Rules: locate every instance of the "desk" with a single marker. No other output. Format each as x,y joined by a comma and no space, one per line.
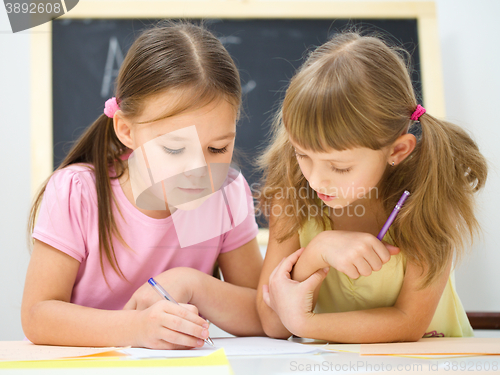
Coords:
352,363
326,363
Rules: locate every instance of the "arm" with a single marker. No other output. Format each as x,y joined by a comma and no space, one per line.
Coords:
48,317
231,304
407,320
271,322
353,253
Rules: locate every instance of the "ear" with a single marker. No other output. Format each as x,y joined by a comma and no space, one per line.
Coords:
401,148
123,128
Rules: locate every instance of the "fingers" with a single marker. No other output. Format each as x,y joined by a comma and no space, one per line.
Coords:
180,325
393,250
265,295
190,307
363,267
287,264
187,312
384,250
313,281
351,271
183,333
372,260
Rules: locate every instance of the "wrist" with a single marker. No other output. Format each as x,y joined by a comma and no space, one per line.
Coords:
133,335
197,285
301,325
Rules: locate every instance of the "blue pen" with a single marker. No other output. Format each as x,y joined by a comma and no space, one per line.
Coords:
162,292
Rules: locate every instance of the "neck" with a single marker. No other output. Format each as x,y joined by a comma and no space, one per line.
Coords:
127,190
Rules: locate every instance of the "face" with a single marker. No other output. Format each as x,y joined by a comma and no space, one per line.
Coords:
180,160
342,177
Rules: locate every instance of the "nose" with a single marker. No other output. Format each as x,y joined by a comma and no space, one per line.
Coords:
317,181
196,166
196,172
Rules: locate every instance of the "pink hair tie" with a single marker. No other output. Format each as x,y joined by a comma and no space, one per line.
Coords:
110,107
419,111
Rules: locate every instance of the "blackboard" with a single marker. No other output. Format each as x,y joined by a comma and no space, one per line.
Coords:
86,54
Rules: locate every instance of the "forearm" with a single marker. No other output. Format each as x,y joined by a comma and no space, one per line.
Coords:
55,322
271,322
387,324
230,307
310,261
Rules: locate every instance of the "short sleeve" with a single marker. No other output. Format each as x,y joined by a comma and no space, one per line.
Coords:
63,214
243,213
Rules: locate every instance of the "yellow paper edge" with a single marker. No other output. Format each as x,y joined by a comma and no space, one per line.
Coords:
217,358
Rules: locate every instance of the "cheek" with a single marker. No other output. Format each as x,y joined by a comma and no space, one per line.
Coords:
365,184
304,168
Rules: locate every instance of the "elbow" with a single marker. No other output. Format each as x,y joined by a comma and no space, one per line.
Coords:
416,334
275,331
29,325
410,337
412,334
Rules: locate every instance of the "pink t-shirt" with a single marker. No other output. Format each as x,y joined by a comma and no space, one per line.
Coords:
68,221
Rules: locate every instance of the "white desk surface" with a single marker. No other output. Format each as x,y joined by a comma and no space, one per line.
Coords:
322,363
353,363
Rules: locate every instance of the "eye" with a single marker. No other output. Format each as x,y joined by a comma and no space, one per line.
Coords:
299,156
173,152
341,171
218,150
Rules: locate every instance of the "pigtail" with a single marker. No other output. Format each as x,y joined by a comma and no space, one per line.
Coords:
105,152
442,174
99,147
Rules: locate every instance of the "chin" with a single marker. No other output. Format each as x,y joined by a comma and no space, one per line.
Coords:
192,204
337,203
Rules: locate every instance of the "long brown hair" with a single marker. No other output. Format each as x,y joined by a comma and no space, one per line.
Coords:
169,56
356,91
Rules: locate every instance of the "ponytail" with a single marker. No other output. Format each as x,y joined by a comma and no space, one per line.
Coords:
442,173
99,147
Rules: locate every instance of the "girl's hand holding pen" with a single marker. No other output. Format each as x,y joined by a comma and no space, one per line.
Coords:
180,281
166,325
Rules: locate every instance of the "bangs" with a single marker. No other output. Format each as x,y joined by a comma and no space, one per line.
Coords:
188,98
324,110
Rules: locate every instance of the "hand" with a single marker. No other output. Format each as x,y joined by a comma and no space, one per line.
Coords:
292,300
353,253
166,325
179,282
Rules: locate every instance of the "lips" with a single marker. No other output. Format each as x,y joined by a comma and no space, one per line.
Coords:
325,197
191,190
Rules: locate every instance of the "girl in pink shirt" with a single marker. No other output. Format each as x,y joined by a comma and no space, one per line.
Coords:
108,218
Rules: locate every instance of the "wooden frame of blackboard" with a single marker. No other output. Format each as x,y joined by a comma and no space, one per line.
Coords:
41,47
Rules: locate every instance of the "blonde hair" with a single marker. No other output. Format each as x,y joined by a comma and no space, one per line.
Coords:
355,91
169,56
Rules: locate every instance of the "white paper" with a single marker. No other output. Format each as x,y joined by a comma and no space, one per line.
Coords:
233,346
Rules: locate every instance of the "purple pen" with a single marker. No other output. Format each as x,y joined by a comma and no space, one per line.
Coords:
393,214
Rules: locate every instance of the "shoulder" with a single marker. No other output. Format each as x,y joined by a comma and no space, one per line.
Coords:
236,186
71,182
76,173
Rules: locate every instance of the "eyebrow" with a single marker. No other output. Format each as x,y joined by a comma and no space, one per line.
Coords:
227,136
334,160
222,137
